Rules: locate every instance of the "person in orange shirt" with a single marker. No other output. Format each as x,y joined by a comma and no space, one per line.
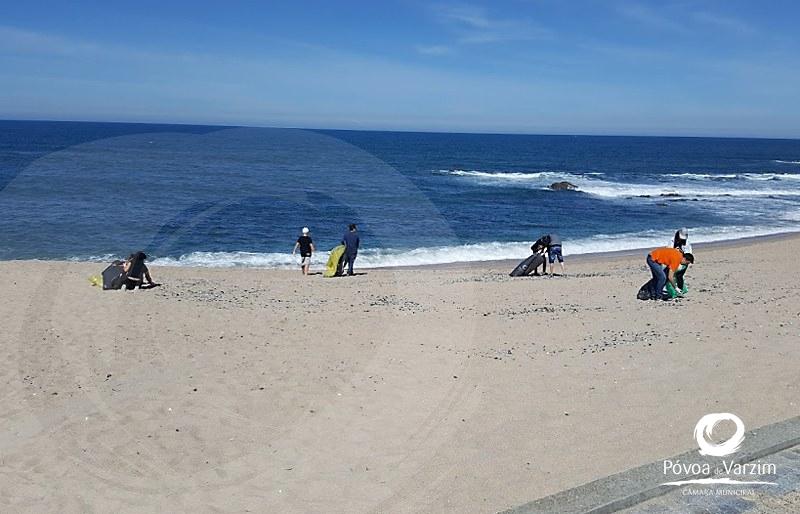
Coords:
664,262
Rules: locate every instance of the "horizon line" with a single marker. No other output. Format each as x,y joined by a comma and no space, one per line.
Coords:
404,131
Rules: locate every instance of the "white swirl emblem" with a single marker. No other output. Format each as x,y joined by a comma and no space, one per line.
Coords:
705,427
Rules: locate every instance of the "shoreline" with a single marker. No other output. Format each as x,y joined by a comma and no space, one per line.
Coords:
470,265
741,242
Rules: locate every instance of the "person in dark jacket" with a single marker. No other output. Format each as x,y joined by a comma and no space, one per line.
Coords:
351,241
539,247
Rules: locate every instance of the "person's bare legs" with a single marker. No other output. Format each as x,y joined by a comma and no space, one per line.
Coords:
552,265
553,268
556,256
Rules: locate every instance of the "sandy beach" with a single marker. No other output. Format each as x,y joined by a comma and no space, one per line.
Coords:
451,389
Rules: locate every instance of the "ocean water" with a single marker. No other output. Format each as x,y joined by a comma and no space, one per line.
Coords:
228,196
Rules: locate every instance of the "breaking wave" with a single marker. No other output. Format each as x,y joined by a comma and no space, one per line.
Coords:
489,251
736,176
678,184
792,216
518,175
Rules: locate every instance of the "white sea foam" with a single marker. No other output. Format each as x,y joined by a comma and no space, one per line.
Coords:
786,162
735,176
622,190
519,176
96,258
702,176
591,184
231,260
390,257
792,216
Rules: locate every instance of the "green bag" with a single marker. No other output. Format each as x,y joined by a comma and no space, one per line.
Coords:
671,290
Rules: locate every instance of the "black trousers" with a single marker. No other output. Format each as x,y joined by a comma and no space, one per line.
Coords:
679,276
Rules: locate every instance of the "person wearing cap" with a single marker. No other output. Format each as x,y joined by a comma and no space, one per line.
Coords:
663,263
306,246
681,242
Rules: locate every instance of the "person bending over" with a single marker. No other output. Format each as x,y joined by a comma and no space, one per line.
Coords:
663,263
551,242
539,247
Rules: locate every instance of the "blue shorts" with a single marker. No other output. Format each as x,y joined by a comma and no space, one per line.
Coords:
553,253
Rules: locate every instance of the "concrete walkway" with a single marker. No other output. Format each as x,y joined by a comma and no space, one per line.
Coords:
642,489
781,498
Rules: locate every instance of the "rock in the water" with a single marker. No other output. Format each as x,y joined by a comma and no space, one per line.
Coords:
563,186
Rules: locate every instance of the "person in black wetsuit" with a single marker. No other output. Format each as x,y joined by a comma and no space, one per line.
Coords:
539,247
351,241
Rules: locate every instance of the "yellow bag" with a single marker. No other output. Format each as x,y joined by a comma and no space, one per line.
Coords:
335,262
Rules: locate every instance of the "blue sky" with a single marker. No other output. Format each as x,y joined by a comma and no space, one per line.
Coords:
699,67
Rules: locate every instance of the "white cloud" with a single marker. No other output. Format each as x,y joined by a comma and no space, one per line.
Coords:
473,25
638,54
470,16
725,22
435,50
31,43
648,17
22,41
657,19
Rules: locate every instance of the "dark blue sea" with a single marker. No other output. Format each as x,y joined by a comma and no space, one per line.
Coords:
228,196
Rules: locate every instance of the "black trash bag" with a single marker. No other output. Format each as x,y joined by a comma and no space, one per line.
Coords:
113,276
527,266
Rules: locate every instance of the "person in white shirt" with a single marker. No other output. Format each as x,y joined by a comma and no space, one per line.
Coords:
681,242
